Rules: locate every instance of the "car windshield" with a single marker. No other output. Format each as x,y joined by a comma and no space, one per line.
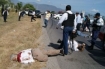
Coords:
37,11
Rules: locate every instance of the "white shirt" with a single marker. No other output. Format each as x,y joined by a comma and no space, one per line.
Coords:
65,17
26,56
5,11
48,15
100,22
78,19
75,46
82,20
19,12
33,13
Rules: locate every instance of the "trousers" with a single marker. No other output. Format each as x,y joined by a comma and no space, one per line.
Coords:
67,31
42,54
95,34
46,22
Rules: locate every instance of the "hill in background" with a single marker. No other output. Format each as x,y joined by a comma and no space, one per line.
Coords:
41,7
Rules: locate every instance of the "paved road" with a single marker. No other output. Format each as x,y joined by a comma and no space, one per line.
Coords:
77,60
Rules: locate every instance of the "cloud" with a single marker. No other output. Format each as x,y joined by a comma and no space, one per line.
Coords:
38,0
49,1
94,10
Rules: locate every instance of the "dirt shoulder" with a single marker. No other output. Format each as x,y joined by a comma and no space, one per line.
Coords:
16,36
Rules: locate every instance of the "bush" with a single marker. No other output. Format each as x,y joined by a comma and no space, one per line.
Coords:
29,6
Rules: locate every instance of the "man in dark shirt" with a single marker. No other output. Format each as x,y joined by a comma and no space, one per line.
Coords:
5,13
69,22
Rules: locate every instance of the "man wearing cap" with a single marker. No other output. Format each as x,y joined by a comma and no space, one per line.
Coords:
97,24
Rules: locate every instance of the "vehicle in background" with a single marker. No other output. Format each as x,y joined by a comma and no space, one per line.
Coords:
57,16
29,13
38,13
91,21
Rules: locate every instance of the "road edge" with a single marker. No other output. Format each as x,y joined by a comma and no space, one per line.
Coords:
52,62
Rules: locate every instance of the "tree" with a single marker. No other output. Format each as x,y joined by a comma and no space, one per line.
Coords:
19,5
2,2
29,6
53,12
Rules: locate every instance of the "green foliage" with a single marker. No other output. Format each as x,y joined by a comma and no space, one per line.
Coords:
2,2
19,5
29,6
53,12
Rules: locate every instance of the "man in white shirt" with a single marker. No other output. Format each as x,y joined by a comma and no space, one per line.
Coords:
78,21
32,17
20,15
30,55
47,17
68,20
73,44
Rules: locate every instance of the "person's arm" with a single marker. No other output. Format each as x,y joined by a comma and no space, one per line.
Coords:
3,12
100,22
64,16
75,24
7,13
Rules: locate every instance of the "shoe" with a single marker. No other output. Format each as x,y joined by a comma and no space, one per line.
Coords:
62,52
59,41
90,47
85,36
88,36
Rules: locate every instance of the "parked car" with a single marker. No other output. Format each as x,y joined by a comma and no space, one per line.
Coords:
57,16
29,13
38,13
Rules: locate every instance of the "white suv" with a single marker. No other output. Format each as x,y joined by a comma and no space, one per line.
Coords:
57,16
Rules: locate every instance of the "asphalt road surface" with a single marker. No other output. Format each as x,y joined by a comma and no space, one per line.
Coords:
94,59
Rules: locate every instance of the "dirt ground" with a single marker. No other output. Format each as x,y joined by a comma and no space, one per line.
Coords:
16,36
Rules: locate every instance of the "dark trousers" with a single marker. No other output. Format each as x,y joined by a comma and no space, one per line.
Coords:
95,34
19,18
86,25
66,32
78,26
33,18
5,18
46,22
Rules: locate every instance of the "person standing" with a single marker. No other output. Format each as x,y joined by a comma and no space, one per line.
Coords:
78,21
32,17
47,17
97,24
86,23
5,14
20,15
68,20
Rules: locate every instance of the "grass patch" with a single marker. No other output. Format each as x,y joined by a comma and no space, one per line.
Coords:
16,36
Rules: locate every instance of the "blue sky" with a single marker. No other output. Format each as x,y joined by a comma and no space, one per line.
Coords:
91,6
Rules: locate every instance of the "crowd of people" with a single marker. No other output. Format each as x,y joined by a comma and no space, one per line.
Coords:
5,13
75,23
